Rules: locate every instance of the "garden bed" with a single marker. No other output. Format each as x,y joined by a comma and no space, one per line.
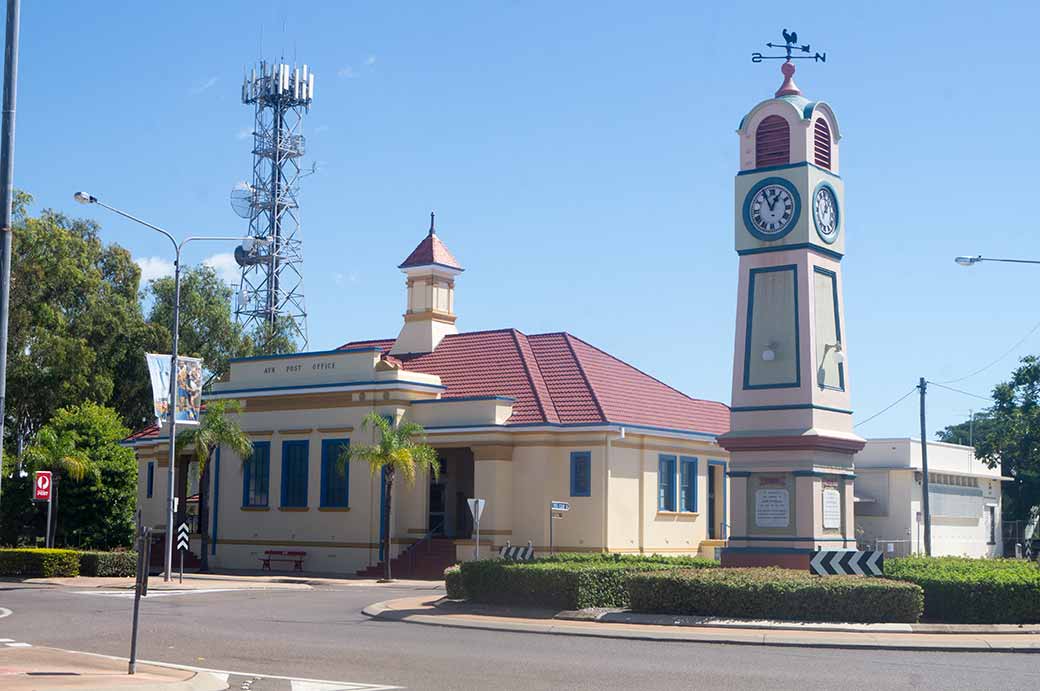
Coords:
960,590
772,593
561,581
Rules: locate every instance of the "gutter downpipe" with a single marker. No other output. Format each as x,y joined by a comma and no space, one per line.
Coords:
606,484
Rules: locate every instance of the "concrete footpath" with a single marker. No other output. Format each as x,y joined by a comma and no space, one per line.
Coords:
435,611
43,669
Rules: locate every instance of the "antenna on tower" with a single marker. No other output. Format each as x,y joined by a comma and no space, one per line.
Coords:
270,298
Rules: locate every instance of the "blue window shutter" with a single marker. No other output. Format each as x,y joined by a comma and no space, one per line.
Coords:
335,478
294,473
256,475
688,484
581,473
666,485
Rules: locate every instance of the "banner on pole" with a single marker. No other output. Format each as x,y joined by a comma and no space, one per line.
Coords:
189,388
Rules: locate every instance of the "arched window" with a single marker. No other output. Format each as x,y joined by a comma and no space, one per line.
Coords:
772,142
822,141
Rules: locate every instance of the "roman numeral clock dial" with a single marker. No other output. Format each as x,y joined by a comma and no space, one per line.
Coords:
771,209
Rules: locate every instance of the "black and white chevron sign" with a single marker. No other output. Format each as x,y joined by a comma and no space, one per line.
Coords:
516,553
182,536
847,563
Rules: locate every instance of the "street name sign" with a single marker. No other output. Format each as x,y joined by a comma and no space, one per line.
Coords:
559,506
42,486
847,563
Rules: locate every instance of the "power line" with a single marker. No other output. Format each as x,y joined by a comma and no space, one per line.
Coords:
951,388
888,407
1002,356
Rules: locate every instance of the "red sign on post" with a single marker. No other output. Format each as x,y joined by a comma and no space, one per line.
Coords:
42,486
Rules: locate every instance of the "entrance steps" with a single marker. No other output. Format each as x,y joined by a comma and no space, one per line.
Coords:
423,561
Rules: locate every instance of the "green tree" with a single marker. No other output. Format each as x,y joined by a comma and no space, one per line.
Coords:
99,510
396,453
56,451
1008,435
274,338
207,329
216,429
77,332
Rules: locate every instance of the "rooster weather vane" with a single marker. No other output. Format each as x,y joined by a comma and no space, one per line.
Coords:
790,45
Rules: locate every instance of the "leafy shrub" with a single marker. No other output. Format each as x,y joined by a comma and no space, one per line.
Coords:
453,583
606,558
771,593
108,563
557,583
39,563
973,591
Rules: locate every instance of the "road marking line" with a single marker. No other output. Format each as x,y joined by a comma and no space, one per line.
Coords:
157,593
4,612
345,685
18,645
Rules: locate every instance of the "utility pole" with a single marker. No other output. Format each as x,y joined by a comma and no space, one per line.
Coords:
7,197
923,386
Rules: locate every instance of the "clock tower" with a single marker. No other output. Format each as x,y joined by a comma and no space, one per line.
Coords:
791,439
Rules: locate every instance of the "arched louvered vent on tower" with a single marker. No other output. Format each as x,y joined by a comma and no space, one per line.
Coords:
822,142
772,142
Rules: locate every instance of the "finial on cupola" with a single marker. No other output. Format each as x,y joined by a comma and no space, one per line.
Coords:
433,231
790,44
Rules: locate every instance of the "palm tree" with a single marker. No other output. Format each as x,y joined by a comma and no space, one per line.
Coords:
215,429
396,452
56,451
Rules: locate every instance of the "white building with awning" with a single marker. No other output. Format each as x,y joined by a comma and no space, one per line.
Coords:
964,498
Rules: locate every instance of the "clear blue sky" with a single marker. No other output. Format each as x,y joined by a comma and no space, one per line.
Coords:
580,157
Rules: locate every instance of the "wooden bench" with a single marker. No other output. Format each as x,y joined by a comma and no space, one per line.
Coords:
278,555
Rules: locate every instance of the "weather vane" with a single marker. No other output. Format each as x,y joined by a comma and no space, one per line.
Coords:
790,45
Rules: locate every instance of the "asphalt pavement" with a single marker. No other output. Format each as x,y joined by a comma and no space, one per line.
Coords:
270,637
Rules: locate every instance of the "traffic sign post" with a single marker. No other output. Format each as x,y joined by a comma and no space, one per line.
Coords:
43,486
476,507
141,586
556,511
182,544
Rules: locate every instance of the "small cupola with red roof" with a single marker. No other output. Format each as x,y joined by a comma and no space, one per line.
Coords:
431,270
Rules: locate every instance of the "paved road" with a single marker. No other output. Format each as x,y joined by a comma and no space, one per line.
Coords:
321,634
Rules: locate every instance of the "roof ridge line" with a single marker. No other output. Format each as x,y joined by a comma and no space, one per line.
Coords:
650,376
581,368
530,380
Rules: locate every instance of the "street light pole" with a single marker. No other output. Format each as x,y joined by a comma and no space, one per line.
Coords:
6,197
171,411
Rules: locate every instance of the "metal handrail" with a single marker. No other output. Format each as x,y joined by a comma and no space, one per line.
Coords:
427,538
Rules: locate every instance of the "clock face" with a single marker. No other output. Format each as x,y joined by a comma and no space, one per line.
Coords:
772,210
825,213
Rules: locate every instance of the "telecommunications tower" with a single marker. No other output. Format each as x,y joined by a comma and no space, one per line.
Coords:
270,294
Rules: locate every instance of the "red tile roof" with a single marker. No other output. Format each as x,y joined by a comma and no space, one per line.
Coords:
431,251
149,432
558,378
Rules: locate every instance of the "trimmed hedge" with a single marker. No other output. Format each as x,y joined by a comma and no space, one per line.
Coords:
557,583
962,590
108,563
607,558
770,593
39,563
453,583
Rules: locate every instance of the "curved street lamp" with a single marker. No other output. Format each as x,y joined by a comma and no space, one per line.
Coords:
248,244
972,261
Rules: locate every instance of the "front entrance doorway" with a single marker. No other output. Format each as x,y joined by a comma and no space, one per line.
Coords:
448,513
